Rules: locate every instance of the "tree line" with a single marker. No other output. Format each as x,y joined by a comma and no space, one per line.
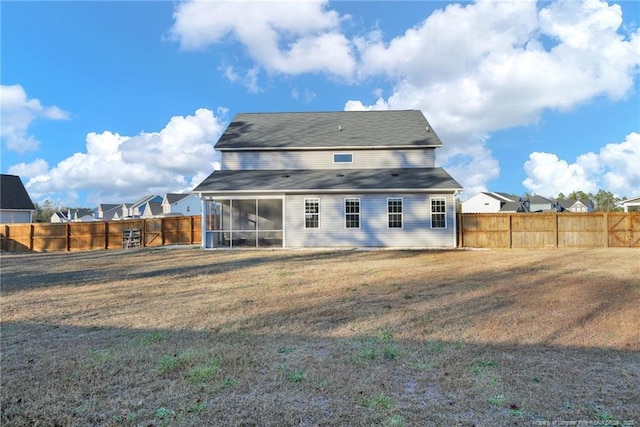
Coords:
46,209
604,201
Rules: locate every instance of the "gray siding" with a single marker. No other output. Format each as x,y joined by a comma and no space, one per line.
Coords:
373,231
321,159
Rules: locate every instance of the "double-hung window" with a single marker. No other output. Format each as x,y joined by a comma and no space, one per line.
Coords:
394,212
311,213
438,212
352,213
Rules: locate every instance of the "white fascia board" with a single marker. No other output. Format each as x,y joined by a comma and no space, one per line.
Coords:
334,148
206,194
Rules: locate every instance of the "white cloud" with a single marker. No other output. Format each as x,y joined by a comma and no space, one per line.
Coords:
495,65
614,168
472,68
483,67
284,37
17,112
117,168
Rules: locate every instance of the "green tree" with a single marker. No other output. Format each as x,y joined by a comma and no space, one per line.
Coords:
46,210
580,195
606,202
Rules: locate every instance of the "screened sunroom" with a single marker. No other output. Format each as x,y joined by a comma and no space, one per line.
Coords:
243,223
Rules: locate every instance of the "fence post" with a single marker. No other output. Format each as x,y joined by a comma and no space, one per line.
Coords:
5,244
143,233
605,221
162,230
31,237
68,236
105,230
510,231
555,228
191,225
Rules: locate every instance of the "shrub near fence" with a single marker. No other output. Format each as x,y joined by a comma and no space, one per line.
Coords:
87,236
528,230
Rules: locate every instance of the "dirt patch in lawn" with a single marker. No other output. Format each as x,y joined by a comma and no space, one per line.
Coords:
192,337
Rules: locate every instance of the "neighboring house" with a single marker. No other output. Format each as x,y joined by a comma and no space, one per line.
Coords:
122,211
572,205
329,179
136,208
517,206
486,202
541,204
107,211
151,210
59,217
15,204
185,204
631,204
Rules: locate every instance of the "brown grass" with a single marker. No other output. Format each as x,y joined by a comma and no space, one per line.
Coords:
191,337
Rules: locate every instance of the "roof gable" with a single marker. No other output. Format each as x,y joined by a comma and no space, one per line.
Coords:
171,198
13,195
327,130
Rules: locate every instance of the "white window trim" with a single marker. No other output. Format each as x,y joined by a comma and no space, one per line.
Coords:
438,213
342,154
304,208
395,213
344,206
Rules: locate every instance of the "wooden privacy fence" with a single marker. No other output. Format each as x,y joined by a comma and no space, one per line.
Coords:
529,230
522,230
87,236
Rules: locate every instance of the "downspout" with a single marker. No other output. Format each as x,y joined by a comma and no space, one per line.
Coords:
455,218
203,221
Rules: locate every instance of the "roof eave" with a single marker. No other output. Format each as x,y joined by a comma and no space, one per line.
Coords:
202,193
331,148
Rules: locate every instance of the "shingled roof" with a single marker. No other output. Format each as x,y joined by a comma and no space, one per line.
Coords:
322,181
326,130
13,195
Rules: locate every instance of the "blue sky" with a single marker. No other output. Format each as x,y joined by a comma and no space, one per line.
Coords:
105,102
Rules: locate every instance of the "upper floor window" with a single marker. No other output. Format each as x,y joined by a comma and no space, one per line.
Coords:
342,158
394,212
352,213
438,212
311,213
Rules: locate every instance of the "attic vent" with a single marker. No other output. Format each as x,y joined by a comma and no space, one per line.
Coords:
339,175
285,175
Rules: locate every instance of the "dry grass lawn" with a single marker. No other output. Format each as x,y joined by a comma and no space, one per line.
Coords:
182,337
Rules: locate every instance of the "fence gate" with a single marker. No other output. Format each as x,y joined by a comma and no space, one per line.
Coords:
624,230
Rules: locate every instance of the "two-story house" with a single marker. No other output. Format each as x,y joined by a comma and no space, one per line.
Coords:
329,179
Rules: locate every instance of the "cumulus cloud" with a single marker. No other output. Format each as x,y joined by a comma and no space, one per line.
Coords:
488,66
17,113
614,168
284,37
472,68
118,168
